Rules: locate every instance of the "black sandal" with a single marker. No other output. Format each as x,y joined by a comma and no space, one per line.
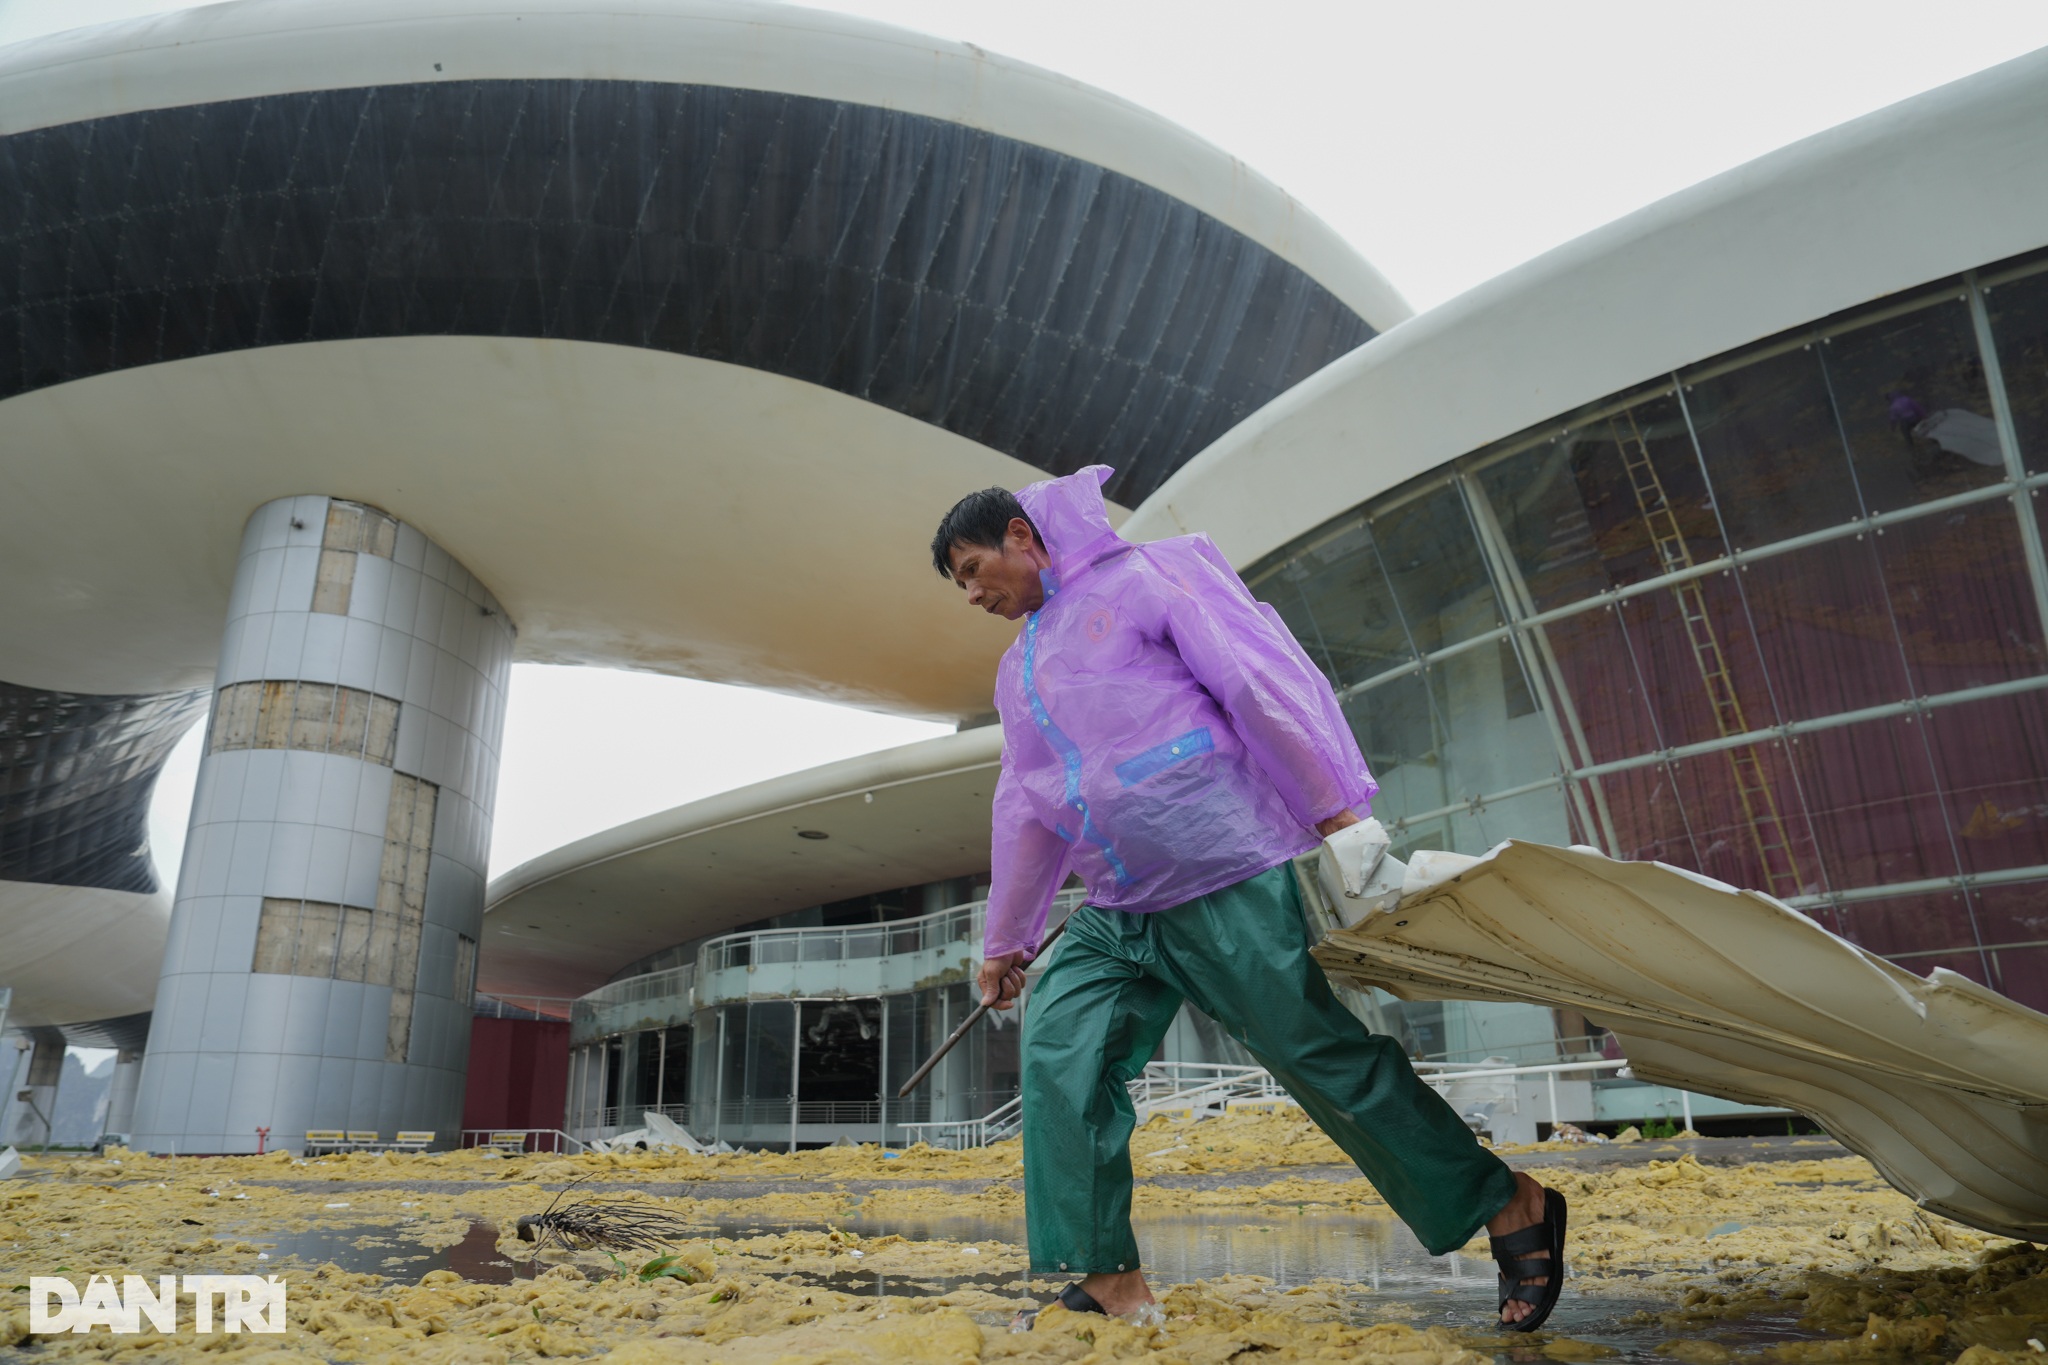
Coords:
1518,1266
1073,1298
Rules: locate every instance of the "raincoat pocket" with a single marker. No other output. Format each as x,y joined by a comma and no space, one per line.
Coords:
1160,757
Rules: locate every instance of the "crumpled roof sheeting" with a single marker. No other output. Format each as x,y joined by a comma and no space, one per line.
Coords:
1940,1082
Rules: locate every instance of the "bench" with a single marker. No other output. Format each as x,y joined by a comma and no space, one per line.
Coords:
359,1141
511,1144
320,1141
409,1141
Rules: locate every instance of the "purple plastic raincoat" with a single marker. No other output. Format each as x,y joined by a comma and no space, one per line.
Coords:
1163,734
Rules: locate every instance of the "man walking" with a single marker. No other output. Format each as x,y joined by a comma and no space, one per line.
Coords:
1166,739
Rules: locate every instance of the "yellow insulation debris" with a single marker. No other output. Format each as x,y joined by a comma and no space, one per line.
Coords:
1693,1250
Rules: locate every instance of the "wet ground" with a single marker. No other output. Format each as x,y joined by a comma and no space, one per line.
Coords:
1395,1280
1709,1251
1590,1156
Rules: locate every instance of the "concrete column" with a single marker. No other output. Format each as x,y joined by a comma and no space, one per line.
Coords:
37,1106
322,948
121,1092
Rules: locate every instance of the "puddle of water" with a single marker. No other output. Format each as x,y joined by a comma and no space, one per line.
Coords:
389,1249
1289,1251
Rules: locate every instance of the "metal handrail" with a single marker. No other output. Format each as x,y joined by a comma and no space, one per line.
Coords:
675,981
1161,1087
1166,1078
1467,1071
548,1007
531,1139
770,947
854,942
1259,1084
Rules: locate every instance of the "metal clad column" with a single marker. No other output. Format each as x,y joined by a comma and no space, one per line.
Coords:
323,939
37,1107
121,1092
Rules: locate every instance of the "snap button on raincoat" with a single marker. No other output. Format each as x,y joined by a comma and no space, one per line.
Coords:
1164,736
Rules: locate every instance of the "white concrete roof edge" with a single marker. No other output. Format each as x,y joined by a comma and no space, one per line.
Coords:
1911,193
907,763
247,48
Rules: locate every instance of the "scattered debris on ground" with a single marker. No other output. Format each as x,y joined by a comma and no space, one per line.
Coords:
1690,1253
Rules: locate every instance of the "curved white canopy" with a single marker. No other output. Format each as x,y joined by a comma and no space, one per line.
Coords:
77,954
631,508
563,923
1923,189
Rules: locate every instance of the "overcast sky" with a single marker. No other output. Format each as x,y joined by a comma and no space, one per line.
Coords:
1447,141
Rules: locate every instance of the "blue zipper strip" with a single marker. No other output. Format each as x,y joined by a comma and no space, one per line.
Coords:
1068,751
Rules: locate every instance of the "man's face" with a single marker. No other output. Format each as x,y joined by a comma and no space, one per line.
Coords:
1002,581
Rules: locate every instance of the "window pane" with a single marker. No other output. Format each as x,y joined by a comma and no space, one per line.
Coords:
2019,327
1767,432
1434,833
675,1080
1910,391
1876,809
1644,497
770,1041
1494,739
840,1050
1962,597
1992,758
1911,924
1535,498
1399,733
1542,816
1597,664
1336,601
2016,913
1649,819
1698,660
1432,558
1823,629
1746,819
2021,973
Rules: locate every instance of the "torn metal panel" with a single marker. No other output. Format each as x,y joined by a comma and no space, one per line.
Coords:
1940,1082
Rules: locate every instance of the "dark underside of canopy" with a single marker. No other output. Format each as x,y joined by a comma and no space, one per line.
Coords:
1038,304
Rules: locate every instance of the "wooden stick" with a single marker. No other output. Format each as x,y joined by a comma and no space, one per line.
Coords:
973,1018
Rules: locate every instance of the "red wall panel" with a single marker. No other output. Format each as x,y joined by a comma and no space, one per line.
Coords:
518,1074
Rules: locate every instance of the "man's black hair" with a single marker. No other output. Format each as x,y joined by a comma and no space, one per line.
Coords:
981,518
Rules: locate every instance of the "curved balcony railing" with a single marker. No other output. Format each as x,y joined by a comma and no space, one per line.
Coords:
656,1000
927,948
926,933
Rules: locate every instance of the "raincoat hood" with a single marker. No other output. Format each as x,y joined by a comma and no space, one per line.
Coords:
1073,520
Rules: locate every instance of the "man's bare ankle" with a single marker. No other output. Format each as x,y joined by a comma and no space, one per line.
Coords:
1524,1209
1118,1292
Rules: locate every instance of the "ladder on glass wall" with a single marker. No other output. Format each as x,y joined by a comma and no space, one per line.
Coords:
1752,782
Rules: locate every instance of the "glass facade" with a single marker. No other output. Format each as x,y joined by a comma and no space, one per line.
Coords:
1777,618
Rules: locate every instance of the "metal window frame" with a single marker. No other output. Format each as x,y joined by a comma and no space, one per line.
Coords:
1524,627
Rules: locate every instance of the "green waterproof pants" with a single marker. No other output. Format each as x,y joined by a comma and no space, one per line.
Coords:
1240,955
